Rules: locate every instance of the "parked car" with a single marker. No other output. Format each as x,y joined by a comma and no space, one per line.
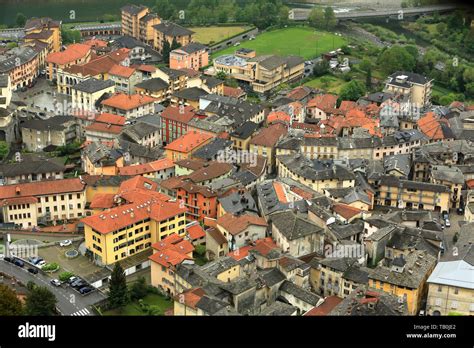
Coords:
78,284
85,290
55,282
447,223
35,260
41,263
237,44
65,243
460,211
8,259
33,270
18,262
72,280
445,215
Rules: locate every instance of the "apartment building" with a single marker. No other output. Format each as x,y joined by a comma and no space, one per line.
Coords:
184,146
131,16
192,56
57,131
5,91
129,229
395,192
45,30
47,201
21,64
87,93
125,78
73,54
169,31
130,106
262,73
451,177
414,86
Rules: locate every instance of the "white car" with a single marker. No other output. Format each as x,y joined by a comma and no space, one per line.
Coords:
41,263
55,282
65,243
237,44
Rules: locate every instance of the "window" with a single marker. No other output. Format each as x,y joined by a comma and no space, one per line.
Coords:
456,291
454,304
440,288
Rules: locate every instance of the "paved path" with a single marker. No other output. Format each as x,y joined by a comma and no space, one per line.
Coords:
69,302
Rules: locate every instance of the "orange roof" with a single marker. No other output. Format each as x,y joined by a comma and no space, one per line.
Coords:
18,200
270,135
171,251
237,224
179,114
41,188
120,70
189,141
325,102
128,102
262,246
240,253
111,118
347,105
145,168
128,214
280,192
233,92
144,67
431,126
191,297
276,116
326,307
195,232
100,64
138,182
346,211
102,201
104,128
95,43
69,55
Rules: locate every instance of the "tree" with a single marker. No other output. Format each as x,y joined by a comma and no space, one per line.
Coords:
139,289
165,9
329,18
41,301
352,90
70,36
321,68
396,58
368,79
9,302
316,18
166,51
118,295
365,65
221,75
4,149
175,44
441,28
20,20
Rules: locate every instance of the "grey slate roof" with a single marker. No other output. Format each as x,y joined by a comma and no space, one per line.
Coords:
293,226
54,123
172,29
153,84
93,85
212,149
300,293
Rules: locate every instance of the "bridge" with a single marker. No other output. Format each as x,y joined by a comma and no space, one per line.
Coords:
300,14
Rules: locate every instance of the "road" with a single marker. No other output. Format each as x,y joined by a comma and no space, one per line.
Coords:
69,302
300,14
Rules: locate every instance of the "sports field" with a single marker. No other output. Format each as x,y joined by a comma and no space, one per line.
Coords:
209,35
301,41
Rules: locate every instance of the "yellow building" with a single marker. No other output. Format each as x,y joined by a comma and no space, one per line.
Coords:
315,174
406,278
263,73
452,177
131,16
45,30
85,94
43,201
126,230
263,143
416,87
169,31
394,192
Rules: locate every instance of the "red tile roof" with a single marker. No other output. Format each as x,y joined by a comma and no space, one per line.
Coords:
103,201
430,125
190,297
69,55
95,43
189,141
179,114
278,116
104,128
128,102
41,188
233,92
128,214
195,232
270,135
346,211
110,118
325,102
236,224
326,307
146,168
122,71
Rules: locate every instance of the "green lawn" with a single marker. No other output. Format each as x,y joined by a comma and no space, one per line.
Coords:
133,308
300,41
209,35
333,84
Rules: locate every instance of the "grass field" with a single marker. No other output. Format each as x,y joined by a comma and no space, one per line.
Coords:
300,41
328,83
134,309
206,35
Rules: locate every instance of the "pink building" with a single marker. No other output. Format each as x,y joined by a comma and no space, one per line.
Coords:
192,56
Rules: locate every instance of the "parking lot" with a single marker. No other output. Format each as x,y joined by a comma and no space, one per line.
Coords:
79,266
